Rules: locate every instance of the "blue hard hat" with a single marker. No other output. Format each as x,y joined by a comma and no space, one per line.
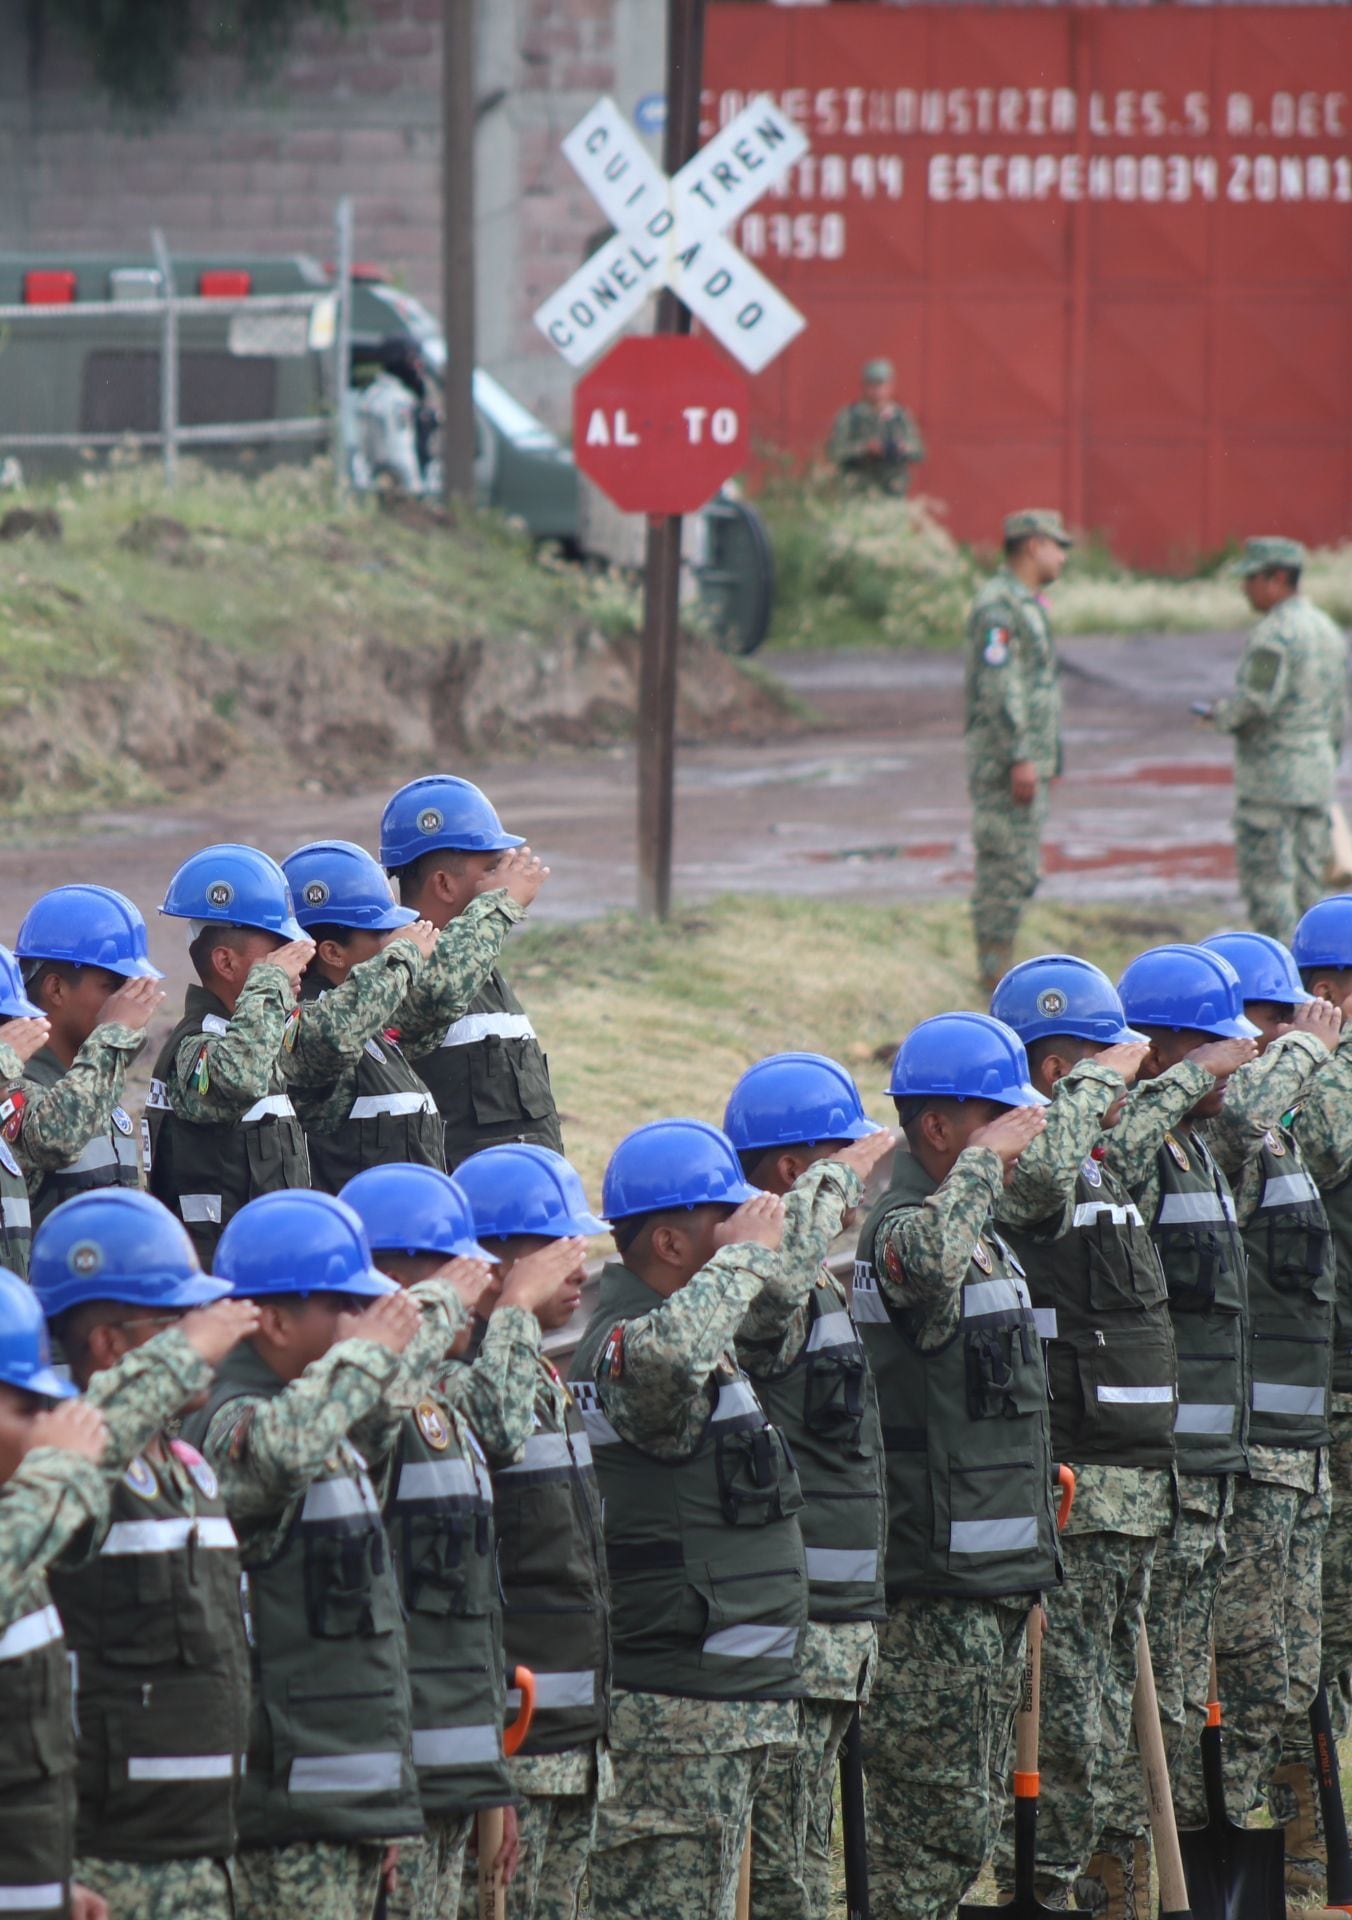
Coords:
792,1099
412,1209
521,1188
233,886
1323,937
673,1163
14,1002
298,1241
335,883
117,1244
1186,989
1265,967
440,811
1060,994
964,1056
25,1355
87,927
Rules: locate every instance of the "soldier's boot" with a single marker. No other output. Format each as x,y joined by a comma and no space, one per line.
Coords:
993,961
1116,1883
1294,1801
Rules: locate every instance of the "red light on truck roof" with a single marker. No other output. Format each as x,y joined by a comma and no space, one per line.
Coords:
224,283
49,287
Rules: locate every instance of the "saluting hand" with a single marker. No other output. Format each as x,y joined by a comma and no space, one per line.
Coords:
541,1274
1322,1019
1221,1058
471,1278
293,957
132,1005
26,1037
423,935
391,1321
216,1331
863,1155
758,1223
520,873
75,1426
1011,1133
1126,1058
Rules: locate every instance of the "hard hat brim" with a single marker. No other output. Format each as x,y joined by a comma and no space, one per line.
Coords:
18,1006
136,970
48,1382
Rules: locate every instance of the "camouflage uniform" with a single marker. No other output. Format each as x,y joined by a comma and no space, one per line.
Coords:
318,1879
432,1872
1013,713
66,1107
16,1216
861,423
1287,716
168,1890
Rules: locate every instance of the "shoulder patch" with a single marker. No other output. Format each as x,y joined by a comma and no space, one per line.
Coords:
7,1160
140,1477
213,1023
239,1434
11,1114
892,1261
996,650
1264,666
612,1354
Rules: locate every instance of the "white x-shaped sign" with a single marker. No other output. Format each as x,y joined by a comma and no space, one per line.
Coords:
670,231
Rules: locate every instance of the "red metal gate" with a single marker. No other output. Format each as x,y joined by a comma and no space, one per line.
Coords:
1110,253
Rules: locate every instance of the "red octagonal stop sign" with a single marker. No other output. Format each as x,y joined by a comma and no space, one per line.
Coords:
661,423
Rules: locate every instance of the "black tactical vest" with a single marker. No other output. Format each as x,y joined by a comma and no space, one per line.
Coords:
708,1583
551,1565
161,1673
826,1407
37,1764
205,1174
969,1462
1338,1208
490,1079
16,1218
1202,1255
1292,1284
1102,1311
439,1514
330,1754
107,1160
392,1116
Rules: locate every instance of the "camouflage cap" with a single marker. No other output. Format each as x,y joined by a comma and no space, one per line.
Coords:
876,371
1032,520
1268,550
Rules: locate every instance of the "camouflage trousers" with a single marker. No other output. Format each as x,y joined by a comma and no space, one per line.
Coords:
791,1821
160,1889
1281,856
1007,841
937,1749
431,1871
319,1879
669,1843
1088,1679
558,1831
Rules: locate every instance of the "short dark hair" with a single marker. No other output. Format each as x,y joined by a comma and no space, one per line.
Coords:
218,933
331,931
1015,546
36,971
412,877
1068,1045
1308,975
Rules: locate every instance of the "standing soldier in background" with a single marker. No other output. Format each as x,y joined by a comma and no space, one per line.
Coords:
1013,729
24,1028
1287,716
875,442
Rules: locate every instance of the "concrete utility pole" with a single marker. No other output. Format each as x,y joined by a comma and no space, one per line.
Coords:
457,244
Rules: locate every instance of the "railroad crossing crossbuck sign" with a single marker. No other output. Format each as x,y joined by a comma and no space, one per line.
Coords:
670,232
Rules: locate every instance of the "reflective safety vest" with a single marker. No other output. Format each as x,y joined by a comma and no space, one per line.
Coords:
16,1219
439,1513
37,1763
1202,1255
206,1173
826,1407
330,1754
392,1116
108,1159
1338,1208
969,1462
1292,1284
489,1077
708,1582
1102,1311
157,1649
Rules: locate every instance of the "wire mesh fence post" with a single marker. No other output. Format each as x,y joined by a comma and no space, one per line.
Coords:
168,359
342,343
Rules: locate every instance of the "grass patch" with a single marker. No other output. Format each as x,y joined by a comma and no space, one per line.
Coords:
866,570
643,1021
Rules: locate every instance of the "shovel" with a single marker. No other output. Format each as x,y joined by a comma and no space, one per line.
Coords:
492,1887
853,1823
1331,1803
1233,1873
1159,1801
1025,1905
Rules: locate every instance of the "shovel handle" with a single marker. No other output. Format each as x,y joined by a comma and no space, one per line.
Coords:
492,1888
1065,1479
1330,1790
523,1681
1030,1704
1159,1800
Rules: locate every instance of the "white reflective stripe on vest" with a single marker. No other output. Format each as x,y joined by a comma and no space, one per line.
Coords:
102,1153
837,1564
167,1536
184,1766
556,1690
30,1632
600,1433
1195,1208
200,1207
1270,1396
1135,1396
346,1773
994,1296
337,1499
831,1330
40,1896
276,1106
371,1105
440,1480
1089,1211
866,1301
1204,1416
1289,1190
472,1027
550,1453
993,1536
455,1746
751,1641
1046,1322
15,1211
736,1398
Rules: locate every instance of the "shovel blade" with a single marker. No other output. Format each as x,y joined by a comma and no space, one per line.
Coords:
1234,1873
